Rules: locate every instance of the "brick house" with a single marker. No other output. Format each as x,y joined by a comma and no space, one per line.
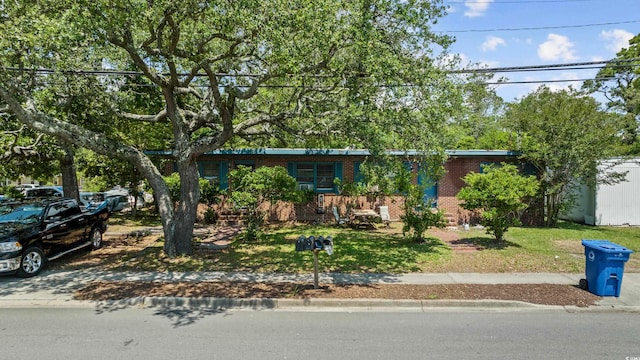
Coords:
316,169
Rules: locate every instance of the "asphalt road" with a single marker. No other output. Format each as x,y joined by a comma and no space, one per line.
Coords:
182,333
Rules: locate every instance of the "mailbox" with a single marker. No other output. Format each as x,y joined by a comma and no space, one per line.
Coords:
308,243
300,243
328,245
313,243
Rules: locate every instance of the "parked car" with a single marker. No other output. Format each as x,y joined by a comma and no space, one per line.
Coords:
34,232
43,192
91,199
117,203
23,187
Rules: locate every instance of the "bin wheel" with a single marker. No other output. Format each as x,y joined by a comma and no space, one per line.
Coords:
583,284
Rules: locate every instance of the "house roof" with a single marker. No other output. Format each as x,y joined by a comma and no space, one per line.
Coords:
337,152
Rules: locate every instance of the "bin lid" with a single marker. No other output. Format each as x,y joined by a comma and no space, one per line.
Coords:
605,246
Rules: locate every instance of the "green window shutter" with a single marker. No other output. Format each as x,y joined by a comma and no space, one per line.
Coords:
224,175
338,174
291,168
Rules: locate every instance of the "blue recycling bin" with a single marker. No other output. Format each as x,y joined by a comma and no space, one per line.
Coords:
604,267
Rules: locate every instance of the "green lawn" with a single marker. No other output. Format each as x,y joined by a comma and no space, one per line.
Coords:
387,251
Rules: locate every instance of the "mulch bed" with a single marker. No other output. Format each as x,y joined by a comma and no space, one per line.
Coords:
544,294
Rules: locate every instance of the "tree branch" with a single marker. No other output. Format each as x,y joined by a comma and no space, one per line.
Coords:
162,115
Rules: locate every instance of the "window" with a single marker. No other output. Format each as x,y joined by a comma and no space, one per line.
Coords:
63,209
325,176
214,171
304,173
318,176
210,170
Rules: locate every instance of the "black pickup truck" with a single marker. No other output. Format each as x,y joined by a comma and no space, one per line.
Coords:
34,232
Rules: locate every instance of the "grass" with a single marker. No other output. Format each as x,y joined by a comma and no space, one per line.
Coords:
538,250
354,252
388,251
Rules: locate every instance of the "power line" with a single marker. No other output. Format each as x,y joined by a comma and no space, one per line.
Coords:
550,67
540,28
521,82
565,66
622,63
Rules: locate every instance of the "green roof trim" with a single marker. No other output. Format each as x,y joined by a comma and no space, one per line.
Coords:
337,152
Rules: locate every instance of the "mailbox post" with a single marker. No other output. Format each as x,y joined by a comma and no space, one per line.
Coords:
315,245
315,268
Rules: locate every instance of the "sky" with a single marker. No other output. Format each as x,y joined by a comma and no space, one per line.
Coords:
508,33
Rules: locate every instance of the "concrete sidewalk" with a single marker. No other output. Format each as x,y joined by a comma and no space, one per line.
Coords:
56,288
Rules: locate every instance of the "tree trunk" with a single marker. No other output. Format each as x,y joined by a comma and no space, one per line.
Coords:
69,176
179,233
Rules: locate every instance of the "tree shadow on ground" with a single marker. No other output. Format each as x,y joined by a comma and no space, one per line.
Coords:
484,243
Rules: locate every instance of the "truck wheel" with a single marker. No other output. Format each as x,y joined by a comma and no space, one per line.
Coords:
96,238
32,262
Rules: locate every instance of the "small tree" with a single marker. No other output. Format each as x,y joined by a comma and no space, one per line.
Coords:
419,216
250,188
501,193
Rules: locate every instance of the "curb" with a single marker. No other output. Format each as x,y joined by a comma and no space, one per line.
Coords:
317,304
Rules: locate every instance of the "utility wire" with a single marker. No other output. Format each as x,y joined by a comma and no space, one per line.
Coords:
567,66
540,28
622,63
589,64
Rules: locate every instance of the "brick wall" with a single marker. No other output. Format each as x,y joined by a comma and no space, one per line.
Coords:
448,187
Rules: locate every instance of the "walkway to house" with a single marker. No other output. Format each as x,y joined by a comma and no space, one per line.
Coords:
454,240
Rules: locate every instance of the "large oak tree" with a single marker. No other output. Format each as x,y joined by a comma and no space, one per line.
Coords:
323,72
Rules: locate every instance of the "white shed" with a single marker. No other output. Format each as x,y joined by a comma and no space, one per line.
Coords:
613,205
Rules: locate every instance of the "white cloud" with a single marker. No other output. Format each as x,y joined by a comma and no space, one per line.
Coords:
616,39
475,8
492,42
557,47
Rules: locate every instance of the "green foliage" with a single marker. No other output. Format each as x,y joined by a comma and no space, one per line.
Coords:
477,123
564,135
210,216
250,188
419,217
350,188
11,192
173,184
619,80
209,192
501,194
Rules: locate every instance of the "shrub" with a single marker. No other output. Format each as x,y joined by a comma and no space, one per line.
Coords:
501,194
